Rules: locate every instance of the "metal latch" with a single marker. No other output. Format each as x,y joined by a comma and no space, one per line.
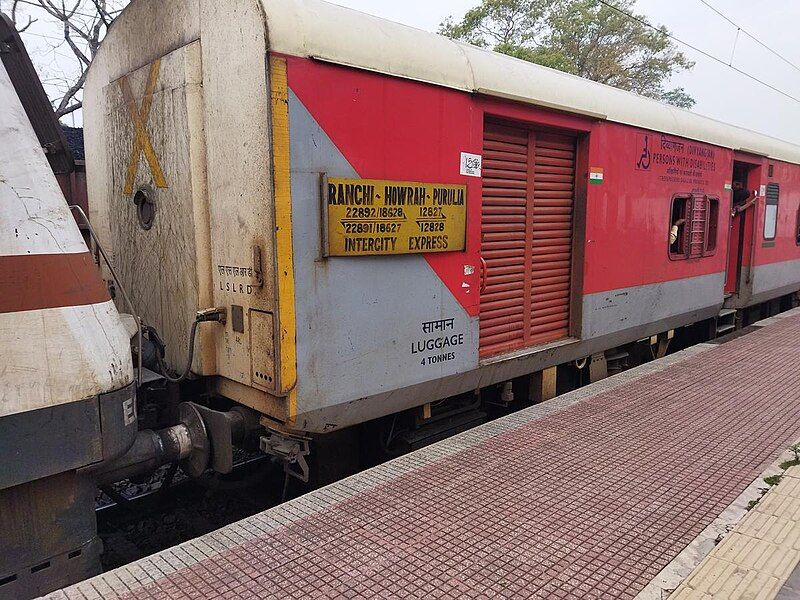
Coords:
292,450
258,273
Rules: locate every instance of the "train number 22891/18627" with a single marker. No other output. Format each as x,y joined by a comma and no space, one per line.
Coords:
370,227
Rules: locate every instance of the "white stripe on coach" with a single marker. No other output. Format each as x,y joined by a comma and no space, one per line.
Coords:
58,355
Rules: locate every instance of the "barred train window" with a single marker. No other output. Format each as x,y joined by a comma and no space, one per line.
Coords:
693,226
711,231
771,211
677,237
797,230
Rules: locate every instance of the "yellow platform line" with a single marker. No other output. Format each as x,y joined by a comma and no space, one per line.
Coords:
756,559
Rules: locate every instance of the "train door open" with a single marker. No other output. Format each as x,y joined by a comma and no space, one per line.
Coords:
740,241
526,237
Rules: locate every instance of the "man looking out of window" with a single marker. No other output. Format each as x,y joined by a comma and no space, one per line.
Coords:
674,232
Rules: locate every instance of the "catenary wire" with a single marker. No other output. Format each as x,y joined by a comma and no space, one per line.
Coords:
696,49
752,37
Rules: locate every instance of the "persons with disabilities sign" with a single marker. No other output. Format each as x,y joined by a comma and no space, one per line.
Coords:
371,216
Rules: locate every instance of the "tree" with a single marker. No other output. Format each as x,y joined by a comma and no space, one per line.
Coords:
83,23
15,17
583,37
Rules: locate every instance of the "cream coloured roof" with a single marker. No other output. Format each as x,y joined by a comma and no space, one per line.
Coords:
313,28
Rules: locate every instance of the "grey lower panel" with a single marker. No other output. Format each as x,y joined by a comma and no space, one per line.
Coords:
363,333
43,442
608,312
46,441
773,280
490,372
118,421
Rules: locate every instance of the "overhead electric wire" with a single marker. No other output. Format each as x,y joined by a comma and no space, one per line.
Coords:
41,35
696,49
752,37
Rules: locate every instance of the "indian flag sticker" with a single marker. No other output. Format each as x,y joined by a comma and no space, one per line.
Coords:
728,186
596,175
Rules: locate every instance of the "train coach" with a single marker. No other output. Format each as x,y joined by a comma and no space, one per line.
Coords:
67,393
393,227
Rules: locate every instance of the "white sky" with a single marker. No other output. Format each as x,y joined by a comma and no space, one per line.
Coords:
720,92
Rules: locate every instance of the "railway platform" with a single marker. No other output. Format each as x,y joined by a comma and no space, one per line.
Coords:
617,490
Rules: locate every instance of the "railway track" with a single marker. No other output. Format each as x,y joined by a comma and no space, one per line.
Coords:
142,518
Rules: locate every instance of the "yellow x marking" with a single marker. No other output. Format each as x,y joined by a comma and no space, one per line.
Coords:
141,143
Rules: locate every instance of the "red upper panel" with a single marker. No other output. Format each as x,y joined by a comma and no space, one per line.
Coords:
784,246
390,128
401,130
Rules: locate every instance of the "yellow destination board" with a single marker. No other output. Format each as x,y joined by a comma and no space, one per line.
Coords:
370,216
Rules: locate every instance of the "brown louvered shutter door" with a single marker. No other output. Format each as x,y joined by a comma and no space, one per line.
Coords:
506,172
554,190
526,237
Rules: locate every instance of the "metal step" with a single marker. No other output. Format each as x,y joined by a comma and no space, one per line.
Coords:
616,354
722,329
444,428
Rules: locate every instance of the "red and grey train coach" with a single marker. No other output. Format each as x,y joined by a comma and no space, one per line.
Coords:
388,219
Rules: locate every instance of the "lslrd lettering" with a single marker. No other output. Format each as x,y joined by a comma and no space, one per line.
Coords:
235,288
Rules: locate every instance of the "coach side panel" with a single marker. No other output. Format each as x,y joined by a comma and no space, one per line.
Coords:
776,256
376,334
634,276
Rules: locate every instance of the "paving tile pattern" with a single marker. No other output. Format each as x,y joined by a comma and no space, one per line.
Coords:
756,560
590,499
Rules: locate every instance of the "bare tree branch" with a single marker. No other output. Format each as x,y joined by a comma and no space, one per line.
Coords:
61,110
84,23
105,18
69,109
77,51
30,22
65,17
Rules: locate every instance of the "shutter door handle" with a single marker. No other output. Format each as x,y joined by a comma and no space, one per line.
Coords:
484,274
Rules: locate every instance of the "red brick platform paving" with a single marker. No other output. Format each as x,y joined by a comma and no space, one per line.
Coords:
591,501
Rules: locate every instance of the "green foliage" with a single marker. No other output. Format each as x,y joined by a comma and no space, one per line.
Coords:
787,464
507,23
678,97
582,37
773,480
796,449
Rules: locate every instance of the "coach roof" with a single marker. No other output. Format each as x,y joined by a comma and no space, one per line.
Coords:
328,32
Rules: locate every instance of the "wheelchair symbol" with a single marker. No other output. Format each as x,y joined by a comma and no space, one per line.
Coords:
644,160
